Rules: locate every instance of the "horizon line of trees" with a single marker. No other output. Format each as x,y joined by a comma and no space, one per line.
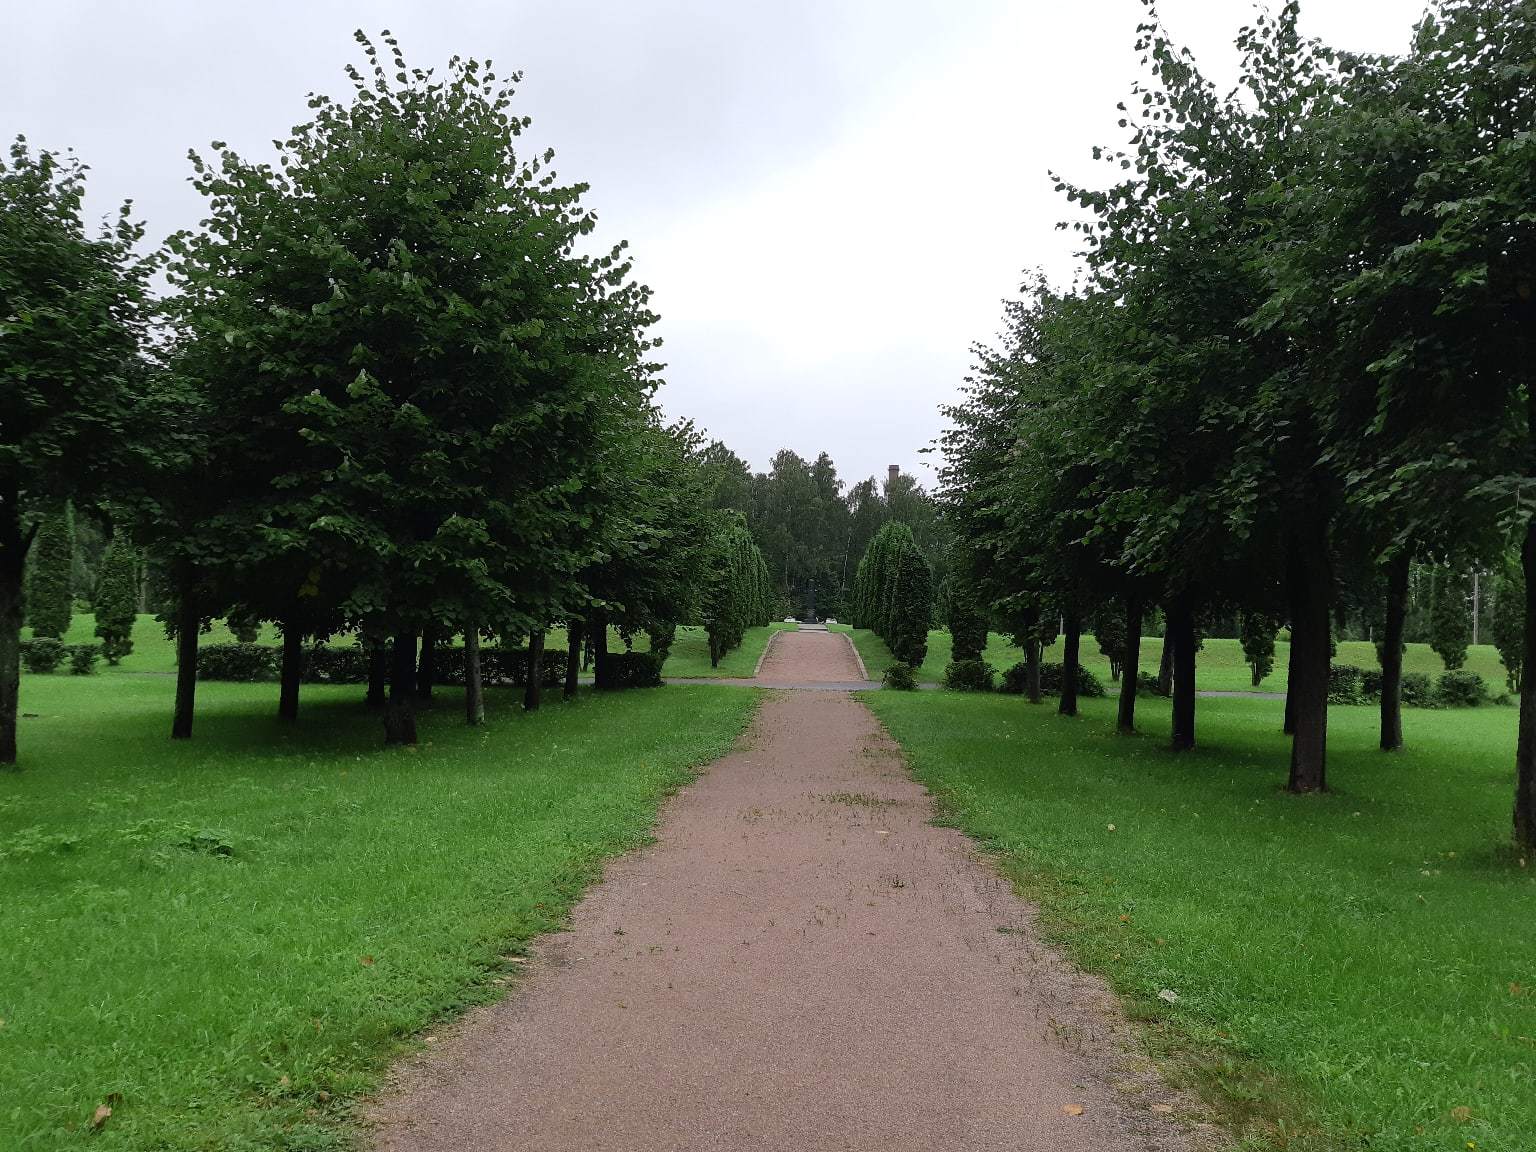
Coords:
1302,361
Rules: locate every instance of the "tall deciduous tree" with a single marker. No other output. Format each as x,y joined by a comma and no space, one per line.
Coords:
72,385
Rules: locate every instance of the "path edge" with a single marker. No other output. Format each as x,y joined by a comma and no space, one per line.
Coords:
857,659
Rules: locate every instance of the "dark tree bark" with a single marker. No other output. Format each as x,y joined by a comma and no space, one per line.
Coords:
1181,639
1288,725
1310,581
426,670
1165,662
378,674
1072,638
602,668
1392,654
1525,751
189,621
573,639
14,543
1032,670
1126,719
474,686
292,673
533,691
400,712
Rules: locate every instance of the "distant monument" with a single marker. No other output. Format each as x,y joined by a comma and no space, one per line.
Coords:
808,605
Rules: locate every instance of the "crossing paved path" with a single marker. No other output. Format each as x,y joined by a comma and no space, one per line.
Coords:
801,962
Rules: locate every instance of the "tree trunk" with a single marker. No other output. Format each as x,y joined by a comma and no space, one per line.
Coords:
573,638
1311,592
1032,670
1072,638
1126,720
400,712
292,673
1392,654
602,668
533,691
426,670
13,557
1288,725
378,673
1180,639
474,687
1525,752
189,620
1165,662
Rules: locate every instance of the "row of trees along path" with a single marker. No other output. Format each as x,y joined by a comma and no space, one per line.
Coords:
1303,357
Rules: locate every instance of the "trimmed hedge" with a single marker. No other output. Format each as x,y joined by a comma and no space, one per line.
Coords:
900,677
1088,685
348,664
631,670
42,654
1459,688
969,676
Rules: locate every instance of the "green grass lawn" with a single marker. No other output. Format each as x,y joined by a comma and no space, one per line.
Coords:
1352,969
1218,667
241,1002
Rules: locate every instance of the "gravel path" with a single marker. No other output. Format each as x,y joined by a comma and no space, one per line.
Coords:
801,962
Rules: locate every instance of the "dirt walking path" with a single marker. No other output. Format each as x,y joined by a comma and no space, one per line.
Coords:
801,962
809,657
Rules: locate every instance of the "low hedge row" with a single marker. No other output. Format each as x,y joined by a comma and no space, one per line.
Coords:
44,654
1348,684
1015,680
348,664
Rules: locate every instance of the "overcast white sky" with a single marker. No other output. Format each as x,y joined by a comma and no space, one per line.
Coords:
829,197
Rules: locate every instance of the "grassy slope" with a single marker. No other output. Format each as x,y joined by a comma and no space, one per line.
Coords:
1364,961
1219,667
239,1002
689,657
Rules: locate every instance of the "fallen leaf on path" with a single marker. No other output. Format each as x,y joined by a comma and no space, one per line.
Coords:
100,1116
1072,1109
1163,1109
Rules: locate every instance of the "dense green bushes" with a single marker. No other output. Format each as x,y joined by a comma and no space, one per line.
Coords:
1456,688
49,599
44,654
737,596
348,664
1015,680
893,593
116,601
969,676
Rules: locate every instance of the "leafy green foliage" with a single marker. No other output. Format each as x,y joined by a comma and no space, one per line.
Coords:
50,600
1450,622
900,677
736,597
117,599
969,676
1509,623
893,593
43,654
1458,688
1258,636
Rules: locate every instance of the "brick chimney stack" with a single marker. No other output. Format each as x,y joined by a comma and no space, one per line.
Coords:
895,471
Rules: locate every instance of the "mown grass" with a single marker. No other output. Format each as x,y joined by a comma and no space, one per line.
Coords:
1219,667
1356,969
243,1001
689,658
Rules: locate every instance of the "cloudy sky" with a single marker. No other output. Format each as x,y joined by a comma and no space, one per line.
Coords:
829,197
